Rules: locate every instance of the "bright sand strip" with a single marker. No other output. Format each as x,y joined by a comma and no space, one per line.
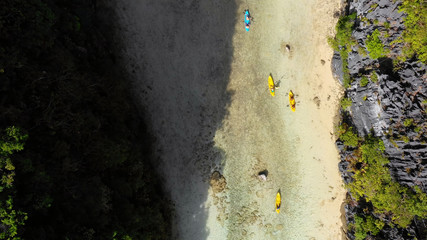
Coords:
170,51
261,132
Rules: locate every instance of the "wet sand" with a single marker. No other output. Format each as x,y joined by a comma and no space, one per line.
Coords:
202,79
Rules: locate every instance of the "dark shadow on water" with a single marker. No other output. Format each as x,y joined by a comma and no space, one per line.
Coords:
184,48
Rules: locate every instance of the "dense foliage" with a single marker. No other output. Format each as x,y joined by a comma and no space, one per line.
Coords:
346,103
415,34
392,202
374,77
12,140
347,135
365,225
84,172
364,81
378,201
375,45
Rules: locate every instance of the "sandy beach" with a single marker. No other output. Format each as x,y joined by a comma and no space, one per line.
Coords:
201,80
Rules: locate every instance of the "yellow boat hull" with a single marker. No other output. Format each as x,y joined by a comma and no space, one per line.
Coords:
271,86
278,202
292,101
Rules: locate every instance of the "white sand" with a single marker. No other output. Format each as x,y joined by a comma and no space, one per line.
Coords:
205,89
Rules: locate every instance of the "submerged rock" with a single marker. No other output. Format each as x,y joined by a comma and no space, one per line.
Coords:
217,182
263,175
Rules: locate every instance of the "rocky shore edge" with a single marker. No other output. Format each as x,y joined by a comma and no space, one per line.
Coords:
385,99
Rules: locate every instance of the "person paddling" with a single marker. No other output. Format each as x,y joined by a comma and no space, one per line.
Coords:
247,19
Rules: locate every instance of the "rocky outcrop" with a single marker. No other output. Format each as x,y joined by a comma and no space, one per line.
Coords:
217,182
392,105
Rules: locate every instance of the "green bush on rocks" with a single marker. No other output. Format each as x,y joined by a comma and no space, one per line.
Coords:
373,182
343,42
415,33
364,81
375,46
347,135
363,226
345,103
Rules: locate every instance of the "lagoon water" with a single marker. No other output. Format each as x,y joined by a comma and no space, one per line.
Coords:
201,81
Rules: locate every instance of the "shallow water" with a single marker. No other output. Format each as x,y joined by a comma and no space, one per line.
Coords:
202,80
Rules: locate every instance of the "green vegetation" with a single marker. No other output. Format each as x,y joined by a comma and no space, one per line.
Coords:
361,50
347,135
385,35
374,77
372,181
415,34
375,46
364,81
343,42
345,103
405,139
408,122
85,171
11,141
363,226
365,20
386,25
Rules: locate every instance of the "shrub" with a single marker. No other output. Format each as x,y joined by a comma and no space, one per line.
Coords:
345,103
363,226
361,50
12,140
372,181
415,33
364,81
405,139
373,6
387,25
344,28
11,218
343,42
375,46
347,135
408,122
374,76
386,35
333,43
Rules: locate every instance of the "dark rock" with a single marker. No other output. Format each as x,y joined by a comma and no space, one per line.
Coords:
337,67
382,107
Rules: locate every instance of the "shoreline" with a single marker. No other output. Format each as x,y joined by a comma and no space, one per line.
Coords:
228,122
303,165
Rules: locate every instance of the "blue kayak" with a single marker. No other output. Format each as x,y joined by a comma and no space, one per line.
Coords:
247,20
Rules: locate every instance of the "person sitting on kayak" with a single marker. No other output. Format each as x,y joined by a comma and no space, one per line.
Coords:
247,26
249,18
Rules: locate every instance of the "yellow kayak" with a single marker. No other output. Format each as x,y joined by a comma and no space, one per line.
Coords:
292,100
278,202
271,85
